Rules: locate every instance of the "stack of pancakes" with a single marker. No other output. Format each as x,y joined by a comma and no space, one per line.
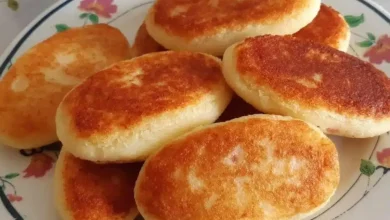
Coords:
177,133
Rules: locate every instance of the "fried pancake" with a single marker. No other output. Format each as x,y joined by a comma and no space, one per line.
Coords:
144,43
329,28
88,191
339,93
127,111
254,167
210,26
36,83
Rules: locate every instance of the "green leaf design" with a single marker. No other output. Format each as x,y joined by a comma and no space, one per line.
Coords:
371,36
62,27
11,175
83,15
354,21
366,43
13,4
93,18
367,167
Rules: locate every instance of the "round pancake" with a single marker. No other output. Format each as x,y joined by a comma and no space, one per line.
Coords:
88,191
254,167
36,83
210,26
288,76
329,27
144,43
132,108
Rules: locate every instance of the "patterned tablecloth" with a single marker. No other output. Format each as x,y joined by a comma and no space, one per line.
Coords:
12,22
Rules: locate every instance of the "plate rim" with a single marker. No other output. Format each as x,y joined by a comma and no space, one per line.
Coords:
10,51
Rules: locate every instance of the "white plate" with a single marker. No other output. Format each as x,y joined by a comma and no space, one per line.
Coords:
364,190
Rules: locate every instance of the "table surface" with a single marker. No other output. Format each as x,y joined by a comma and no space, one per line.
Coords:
12,22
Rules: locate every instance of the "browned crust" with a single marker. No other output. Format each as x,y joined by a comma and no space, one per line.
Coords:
328,28
201,18
94,191
203,153
30,114
349,86
144,43
170,81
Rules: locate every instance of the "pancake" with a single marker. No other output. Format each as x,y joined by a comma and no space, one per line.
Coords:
144,43
210,26
337,92
88,191
38,80
254,167
129,110
329,28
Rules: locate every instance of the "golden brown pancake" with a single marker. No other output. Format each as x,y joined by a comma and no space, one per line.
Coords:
36,83
89,191
129,110
210,26
144,43
329,28
340,93
255,167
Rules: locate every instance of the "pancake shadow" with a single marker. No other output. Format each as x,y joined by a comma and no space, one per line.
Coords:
237,108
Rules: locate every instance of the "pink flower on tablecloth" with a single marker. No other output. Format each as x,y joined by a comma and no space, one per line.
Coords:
101,7
39,165
384,157
380,51
14,198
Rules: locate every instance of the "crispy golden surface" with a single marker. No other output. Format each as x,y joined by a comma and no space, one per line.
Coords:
190,19
252,168
34,86
328,28
93,191
131,91
314,76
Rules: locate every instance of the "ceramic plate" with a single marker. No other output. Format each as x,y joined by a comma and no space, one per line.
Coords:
26,176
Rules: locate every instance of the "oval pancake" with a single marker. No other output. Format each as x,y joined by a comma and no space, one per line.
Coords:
144,43
329,27
130,109
38,80
339,93
88,191
210,26
254,167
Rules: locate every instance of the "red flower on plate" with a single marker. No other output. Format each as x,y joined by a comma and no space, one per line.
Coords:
380,51
39,165
14,198
384,157
101,7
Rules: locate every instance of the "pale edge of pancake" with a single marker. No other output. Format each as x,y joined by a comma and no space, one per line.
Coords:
60,197
138,142
264,99
217,43
343,43
240,119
